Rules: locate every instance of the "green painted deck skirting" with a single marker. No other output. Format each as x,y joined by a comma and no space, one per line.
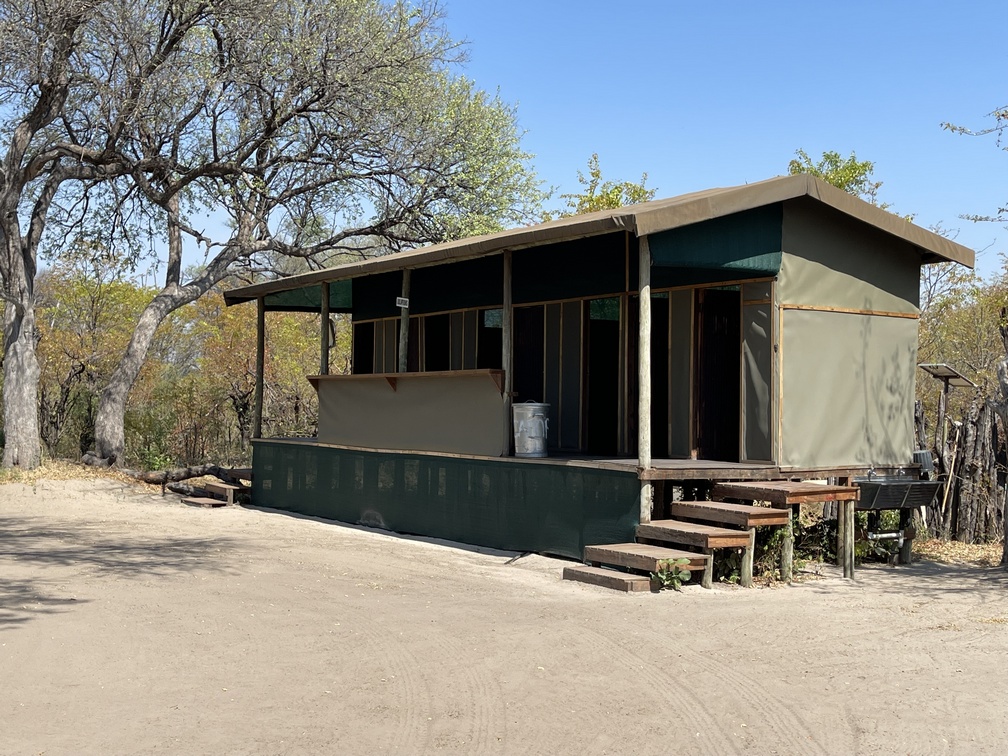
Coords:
494,503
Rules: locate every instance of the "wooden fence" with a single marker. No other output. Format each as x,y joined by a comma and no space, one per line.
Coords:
971,454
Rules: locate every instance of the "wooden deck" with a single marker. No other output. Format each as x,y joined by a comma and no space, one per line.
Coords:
661,469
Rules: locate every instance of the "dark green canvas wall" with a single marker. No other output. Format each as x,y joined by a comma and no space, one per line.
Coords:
539,507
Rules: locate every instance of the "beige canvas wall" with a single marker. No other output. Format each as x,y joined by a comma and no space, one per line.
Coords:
847,359
832,261
459,413
848,388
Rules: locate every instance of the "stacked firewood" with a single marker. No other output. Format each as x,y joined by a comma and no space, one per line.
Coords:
970,457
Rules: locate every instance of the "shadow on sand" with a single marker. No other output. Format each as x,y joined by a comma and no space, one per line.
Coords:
29,542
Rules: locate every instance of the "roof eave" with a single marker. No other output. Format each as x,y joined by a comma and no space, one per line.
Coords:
641,220
568,229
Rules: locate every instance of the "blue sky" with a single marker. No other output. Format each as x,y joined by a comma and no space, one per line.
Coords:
722,93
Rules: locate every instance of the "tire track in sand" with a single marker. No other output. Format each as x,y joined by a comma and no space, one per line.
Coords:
792,732
409,690
484,714
669,690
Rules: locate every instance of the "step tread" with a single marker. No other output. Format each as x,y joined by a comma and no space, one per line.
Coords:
693,533
746,515
641,556
204,501
222,487
783,493
605,578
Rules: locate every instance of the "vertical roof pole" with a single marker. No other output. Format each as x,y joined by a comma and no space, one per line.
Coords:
404,322
324,327
644,381
257,407
507,354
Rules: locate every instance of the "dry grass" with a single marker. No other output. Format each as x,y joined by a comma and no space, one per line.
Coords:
60,469
953,552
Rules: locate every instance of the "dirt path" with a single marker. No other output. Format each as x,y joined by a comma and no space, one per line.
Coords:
130,623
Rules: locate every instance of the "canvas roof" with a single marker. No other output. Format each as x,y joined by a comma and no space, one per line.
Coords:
643,219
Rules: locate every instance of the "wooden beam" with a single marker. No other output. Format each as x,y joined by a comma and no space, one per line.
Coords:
257,407
324,335
507,353
404,323
644,381
852,311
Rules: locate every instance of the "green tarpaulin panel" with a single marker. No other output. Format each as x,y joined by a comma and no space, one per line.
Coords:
742,245
309,299
469,284
550,509
584,268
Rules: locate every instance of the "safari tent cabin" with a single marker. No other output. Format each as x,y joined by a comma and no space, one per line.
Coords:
776,338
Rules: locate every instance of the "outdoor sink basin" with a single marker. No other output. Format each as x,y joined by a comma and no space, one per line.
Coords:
895,492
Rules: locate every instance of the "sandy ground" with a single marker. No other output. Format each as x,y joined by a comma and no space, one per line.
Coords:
130,623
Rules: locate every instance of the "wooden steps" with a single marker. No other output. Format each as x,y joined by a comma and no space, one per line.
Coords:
708,525
702,525
617,581
642,556
693,534
743,515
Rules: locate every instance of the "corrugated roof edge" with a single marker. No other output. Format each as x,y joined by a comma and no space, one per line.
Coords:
641,220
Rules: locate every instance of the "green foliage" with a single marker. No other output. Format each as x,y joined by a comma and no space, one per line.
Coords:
604,195
959,325
850,174
85,317
192,401
672,573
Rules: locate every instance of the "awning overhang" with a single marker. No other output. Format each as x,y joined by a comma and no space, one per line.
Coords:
641,220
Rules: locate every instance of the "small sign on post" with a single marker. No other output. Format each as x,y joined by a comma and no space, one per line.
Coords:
402,302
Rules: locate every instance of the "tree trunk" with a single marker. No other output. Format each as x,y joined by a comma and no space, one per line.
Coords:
920,425
22,446
110,437
1001,405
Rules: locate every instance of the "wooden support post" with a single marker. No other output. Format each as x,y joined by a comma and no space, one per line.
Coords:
848,539
745,578
787,548
507,354
644,380
404,323
324,336
257,406
841,532
708,573
905,525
